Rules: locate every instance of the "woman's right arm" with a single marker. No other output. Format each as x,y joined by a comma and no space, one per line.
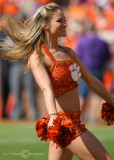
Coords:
43,80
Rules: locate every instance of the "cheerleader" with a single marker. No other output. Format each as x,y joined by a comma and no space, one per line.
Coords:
57,69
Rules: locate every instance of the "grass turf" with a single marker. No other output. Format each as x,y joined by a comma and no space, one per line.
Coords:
18,141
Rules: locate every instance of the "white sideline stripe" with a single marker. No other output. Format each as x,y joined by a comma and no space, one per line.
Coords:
35,141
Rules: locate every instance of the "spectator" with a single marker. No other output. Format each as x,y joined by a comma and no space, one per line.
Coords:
94,53
18,82
4,79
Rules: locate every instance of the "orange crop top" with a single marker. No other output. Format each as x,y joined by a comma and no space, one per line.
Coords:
60,74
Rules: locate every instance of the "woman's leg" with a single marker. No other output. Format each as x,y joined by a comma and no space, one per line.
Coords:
59,153
87,147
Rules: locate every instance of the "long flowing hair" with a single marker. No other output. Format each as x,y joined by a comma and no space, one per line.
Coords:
27,36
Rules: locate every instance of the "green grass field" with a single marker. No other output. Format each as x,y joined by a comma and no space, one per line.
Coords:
18,141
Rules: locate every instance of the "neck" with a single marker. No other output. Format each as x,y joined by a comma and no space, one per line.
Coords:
51,42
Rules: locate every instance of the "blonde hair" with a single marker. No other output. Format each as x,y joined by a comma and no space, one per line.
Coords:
27,37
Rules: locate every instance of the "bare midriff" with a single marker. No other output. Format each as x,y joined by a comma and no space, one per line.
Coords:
68,101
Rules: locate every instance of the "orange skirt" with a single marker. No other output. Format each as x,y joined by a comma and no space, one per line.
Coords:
66,127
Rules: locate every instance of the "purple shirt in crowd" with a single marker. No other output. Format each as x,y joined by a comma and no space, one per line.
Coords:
92,51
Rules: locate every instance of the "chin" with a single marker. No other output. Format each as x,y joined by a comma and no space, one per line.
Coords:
63,35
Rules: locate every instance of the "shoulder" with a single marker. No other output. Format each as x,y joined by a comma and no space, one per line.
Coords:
68,49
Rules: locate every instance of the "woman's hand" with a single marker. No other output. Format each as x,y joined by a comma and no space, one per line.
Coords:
52,117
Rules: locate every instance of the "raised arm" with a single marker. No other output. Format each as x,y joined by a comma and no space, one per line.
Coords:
43,80
95,84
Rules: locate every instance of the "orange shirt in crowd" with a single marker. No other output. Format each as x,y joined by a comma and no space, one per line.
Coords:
109,15
107,79
77,12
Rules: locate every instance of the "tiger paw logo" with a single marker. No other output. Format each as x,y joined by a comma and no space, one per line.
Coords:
75,72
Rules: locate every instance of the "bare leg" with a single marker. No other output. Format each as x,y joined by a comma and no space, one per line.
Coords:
87,147
59,153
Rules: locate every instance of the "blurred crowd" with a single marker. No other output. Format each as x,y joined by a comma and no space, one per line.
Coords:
90,33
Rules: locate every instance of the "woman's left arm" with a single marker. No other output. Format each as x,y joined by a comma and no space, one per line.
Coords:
95,84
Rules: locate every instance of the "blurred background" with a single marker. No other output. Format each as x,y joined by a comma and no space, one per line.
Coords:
90,33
